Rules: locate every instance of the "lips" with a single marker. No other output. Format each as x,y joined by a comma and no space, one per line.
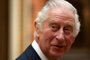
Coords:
58,46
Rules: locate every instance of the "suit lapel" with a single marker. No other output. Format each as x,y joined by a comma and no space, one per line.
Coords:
31,53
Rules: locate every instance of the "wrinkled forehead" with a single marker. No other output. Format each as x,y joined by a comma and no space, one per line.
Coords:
61,11
61,15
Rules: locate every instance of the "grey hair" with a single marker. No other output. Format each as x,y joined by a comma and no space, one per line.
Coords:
52,4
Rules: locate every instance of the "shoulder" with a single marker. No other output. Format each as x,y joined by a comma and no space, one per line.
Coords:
29,54
26,54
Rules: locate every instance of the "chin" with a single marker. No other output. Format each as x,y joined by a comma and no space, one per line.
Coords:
57,55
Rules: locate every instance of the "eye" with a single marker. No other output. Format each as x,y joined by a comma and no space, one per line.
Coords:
68,30
54,27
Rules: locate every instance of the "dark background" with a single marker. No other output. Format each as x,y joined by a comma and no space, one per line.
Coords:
4,29
83,7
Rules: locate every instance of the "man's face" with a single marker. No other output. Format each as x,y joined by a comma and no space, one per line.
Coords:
56,35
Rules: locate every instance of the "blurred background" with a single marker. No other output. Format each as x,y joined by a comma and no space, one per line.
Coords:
16,28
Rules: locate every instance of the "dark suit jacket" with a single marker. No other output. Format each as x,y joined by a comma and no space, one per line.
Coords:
29,54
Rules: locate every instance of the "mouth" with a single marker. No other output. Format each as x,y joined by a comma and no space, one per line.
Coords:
59,46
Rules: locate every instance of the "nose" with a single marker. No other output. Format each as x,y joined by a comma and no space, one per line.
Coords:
60,35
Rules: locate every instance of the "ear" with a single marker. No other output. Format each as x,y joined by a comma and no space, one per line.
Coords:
37,28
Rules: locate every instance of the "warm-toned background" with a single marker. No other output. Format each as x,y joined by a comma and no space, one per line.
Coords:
16,28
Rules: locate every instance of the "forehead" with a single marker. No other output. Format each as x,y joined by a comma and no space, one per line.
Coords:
64,12
61,10
61,15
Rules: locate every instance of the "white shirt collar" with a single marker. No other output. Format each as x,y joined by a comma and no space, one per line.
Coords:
38,50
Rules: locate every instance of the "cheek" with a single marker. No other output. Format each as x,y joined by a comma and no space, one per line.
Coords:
45,39
70,40
48,35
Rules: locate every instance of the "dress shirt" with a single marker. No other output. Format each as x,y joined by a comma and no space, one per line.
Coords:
38,50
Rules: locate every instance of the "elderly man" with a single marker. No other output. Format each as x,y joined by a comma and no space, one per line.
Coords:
57,26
